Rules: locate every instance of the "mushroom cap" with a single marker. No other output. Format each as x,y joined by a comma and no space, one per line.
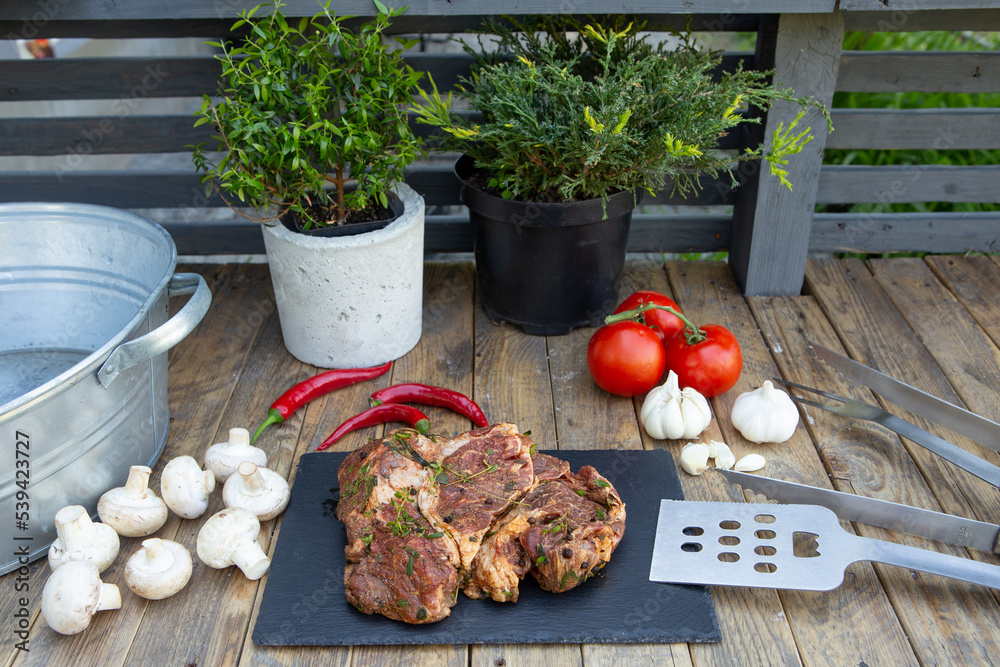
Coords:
266,497
79,538
73,593
223,458
133,510
158,570
229,537
185,487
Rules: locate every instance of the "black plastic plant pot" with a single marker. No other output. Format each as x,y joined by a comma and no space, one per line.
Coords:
547,268
395,210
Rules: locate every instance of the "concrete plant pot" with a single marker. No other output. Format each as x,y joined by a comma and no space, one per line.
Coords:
351,301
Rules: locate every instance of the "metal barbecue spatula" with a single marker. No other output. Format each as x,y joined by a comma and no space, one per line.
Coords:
780,546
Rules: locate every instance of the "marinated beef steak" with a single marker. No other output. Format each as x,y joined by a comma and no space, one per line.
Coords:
476,483
398,565
561,531
425,516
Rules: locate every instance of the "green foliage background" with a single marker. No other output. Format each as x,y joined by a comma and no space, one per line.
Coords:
915,41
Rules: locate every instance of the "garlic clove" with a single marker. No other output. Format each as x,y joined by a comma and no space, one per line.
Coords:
766,414
749,463
694,458
723,455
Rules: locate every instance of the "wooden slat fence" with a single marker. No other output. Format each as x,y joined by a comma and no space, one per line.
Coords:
768,230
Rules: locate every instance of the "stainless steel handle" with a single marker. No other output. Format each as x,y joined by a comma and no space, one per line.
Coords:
166,335
932,562
947,450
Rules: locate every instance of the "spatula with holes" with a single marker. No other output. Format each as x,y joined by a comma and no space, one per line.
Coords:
780,546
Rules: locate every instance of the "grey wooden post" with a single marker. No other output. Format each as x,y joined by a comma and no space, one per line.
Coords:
771,224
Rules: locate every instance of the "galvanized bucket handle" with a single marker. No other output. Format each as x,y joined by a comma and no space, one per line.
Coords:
165,336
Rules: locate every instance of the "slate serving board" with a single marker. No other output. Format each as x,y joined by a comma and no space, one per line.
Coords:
304,604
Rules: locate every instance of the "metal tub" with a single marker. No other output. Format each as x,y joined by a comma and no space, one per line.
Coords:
84,331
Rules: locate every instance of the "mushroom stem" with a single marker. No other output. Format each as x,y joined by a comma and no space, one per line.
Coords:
74,526
209,481
109,597
158,557
239,438
251,559
253,481
138,480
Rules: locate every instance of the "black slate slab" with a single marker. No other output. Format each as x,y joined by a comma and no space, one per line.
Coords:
304,603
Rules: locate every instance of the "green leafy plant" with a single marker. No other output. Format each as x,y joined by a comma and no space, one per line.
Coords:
572,110
311,117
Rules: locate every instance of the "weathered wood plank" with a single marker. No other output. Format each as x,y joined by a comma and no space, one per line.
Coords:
975,281
451,233
27,11
840,184
107,78
928,18
905,232
49,24
865,318
770,223
590,418
121,132
134,78
967,356
755,628
912,5
896,72
927,129
180,188
822,624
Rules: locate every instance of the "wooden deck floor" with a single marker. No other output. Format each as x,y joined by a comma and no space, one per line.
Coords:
933,323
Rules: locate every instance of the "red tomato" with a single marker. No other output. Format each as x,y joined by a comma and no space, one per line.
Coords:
663,323
711,366
626,358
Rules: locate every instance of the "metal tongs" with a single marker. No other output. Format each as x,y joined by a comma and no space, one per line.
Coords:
905,396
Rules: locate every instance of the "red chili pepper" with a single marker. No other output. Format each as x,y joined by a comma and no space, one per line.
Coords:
379,414
413,392
315,387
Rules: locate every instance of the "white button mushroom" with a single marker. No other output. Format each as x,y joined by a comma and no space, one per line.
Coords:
224,457
261,491
229,537
158,570
133,510
185,487
79,538
73,594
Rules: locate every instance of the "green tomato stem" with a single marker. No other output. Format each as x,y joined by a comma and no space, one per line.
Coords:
692,332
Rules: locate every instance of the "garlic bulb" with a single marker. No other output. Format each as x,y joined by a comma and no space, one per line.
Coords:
766,414
668,413
749,463
694,458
